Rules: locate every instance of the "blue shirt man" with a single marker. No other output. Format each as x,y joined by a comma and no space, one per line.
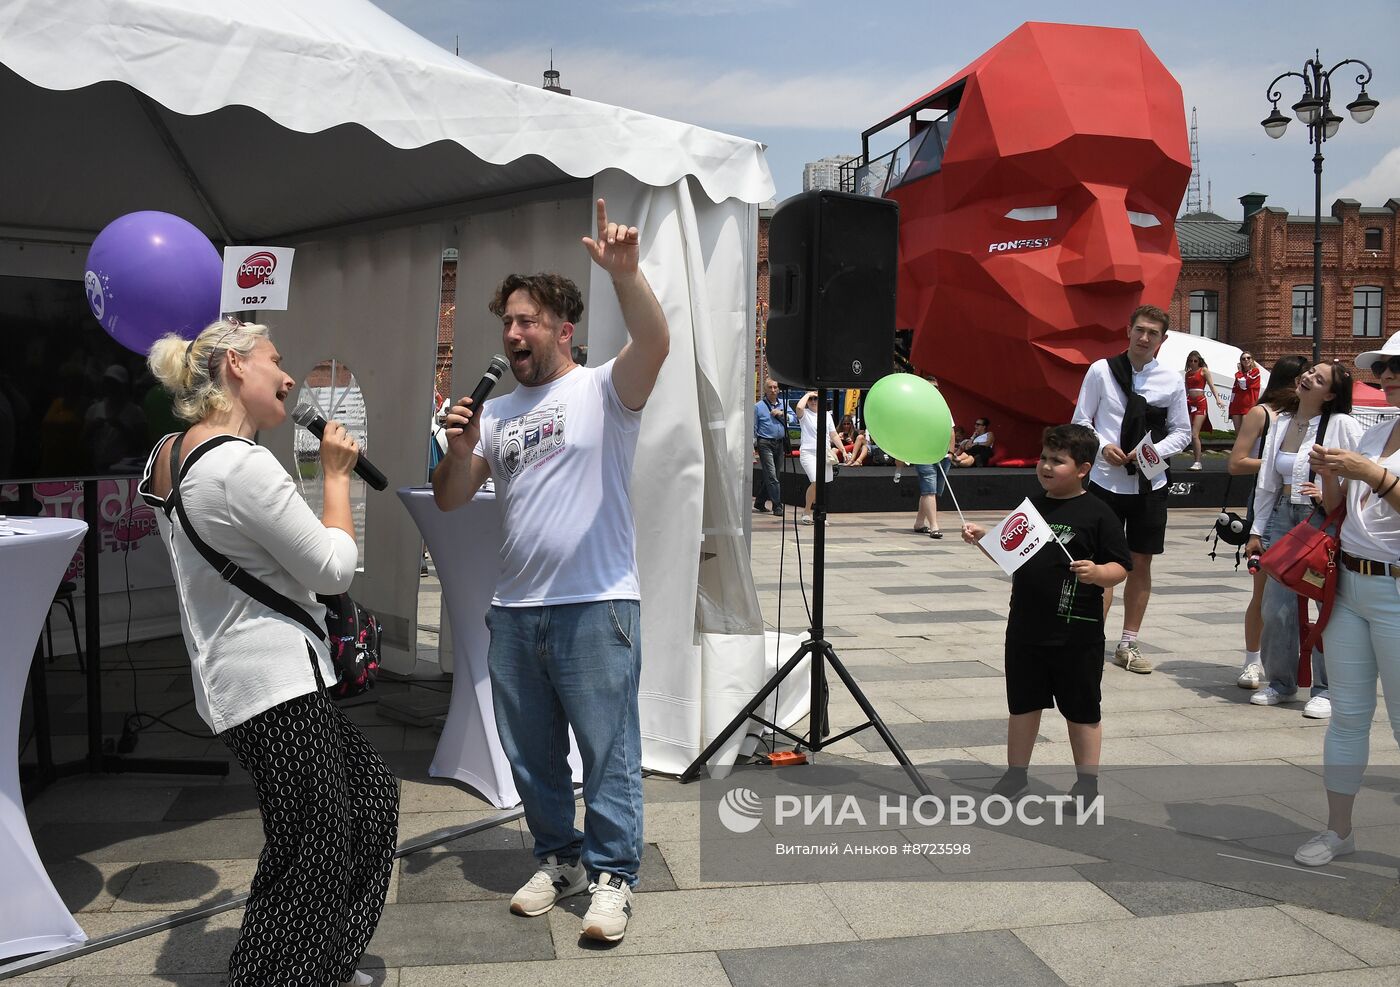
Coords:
769,439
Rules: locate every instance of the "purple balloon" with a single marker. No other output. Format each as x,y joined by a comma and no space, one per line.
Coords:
150,273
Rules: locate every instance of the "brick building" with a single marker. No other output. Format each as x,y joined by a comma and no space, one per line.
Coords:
1250,284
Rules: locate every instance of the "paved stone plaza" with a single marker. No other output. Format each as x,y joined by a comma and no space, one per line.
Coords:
919,623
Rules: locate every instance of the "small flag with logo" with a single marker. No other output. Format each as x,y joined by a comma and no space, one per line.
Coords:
1150,462
1019,536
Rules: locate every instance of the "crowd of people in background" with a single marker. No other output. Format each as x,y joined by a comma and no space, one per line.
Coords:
99,415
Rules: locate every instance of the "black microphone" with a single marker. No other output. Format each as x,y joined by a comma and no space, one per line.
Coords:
308,418
488,382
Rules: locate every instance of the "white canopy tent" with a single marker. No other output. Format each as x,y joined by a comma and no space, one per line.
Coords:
328,126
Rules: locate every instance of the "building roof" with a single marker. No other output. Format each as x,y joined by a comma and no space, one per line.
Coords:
1206,236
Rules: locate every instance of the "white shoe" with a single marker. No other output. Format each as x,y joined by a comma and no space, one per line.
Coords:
606,918
358,979
1128,656
1269,696
1196,465
1252,677
1319,707
548,884
805,519
1323,847
897,475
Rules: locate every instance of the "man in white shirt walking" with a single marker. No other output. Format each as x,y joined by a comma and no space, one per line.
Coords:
566,618
1156,407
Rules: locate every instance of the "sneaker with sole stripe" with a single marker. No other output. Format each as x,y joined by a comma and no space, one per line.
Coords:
548,884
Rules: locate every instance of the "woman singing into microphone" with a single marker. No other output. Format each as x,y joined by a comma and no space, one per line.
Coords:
330,809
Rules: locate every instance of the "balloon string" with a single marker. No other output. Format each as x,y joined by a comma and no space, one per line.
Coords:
948,484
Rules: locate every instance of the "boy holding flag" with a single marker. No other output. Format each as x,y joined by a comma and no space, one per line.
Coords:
1054,635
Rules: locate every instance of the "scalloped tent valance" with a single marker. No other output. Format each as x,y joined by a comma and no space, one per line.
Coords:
285,118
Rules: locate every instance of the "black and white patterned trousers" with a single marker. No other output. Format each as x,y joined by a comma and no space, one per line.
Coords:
330,812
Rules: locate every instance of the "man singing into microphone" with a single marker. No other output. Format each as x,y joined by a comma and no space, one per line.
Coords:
566,618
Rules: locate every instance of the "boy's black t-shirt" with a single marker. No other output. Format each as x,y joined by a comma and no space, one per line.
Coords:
1048,604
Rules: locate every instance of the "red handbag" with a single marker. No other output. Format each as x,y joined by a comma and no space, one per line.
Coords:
1304,561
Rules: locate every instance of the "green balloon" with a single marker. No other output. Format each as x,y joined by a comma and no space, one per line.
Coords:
909,419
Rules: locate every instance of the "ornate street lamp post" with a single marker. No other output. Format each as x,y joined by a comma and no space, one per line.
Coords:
1314,110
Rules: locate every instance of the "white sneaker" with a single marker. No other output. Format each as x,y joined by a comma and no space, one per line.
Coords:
358,979
805,519
1196,465
1319,707
1128,656
1323,847
550,883
896,476
1252,677
1269,696
606,918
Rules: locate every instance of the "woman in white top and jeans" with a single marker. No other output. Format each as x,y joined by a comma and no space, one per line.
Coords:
807,450
1284,497
329,804
1362,638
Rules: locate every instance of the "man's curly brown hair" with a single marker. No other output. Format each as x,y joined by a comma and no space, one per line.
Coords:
552,291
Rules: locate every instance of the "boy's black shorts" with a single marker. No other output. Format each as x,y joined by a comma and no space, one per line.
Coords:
1044,676
1144,517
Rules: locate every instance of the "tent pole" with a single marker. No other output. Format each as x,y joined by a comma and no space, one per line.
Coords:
178,156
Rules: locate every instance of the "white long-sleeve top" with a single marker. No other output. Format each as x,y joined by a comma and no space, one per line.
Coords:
1343,431
1101,406
245,658
1371,529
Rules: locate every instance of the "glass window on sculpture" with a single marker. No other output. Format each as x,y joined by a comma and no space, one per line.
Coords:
1046,218
332,390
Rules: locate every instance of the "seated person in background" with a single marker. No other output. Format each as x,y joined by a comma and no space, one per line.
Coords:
860,450
847,431
976,450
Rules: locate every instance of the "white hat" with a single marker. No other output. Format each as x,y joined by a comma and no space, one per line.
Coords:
1367,360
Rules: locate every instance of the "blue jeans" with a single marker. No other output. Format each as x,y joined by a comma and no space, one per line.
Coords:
578,665
770,454
1278,644
1363,644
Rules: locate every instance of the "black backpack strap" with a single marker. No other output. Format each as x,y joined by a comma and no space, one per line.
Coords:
223,565
1320,439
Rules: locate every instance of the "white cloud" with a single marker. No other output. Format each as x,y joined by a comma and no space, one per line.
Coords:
700,92
1378,185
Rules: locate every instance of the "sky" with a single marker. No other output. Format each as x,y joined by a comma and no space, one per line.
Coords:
805,78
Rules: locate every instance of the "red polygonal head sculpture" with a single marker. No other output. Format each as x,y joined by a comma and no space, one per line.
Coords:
1035,217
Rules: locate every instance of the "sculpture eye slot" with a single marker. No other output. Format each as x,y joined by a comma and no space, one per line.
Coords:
1033,214
1144,220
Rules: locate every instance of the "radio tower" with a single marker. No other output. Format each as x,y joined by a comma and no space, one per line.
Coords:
1193,190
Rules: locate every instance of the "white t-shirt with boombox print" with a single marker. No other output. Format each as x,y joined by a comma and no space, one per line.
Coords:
561,456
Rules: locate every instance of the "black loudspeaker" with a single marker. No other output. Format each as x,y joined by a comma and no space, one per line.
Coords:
831,262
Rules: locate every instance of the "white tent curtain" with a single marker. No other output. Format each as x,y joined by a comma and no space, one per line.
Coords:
370,301
702,632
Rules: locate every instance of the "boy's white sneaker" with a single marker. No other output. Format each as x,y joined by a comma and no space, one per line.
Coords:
548,884
606,918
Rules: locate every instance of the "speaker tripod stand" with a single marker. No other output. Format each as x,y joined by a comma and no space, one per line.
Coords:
821,653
